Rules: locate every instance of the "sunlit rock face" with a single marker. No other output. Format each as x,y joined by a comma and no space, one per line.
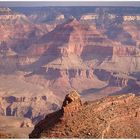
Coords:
92,119
70,52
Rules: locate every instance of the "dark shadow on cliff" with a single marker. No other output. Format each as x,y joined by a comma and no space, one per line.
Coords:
92,91
55,40
116,33
127,90
50,121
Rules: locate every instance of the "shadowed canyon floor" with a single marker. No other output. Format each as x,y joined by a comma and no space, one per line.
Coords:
10,127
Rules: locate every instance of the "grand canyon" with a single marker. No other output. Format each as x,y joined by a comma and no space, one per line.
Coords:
60,66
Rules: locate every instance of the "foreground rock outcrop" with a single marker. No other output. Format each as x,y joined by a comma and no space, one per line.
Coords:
109,117
71,104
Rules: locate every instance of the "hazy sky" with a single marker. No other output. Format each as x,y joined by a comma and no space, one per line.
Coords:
72,3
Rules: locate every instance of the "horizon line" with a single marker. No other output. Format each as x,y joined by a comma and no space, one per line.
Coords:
69,3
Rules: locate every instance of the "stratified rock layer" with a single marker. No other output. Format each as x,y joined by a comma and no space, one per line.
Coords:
110,117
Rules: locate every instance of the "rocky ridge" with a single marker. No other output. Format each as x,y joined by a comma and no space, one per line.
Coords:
110,117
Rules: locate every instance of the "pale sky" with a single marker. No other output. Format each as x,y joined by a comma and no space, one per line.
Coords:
69,3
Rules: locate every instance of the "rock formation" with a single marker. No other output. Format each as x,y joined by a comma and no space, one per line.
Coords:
33,108
51,49
110,117
71,104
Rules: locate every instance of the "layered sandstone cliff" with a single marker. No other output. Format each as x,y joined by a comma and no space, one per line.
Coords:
73,54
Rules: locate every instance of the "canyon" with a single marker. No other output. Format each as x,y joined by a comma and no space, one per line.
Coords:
44,55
